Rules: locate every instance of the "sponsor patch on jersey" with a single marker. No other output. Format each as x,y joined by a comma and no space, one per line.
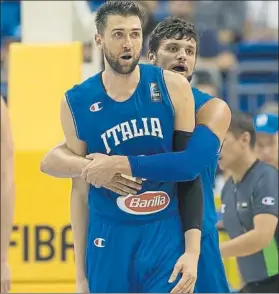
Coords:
145,203
268,201
155,93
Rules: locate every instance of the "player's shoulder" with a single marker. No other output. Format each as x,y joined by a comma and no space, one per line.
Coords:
200,94
175,81
202,98
89,86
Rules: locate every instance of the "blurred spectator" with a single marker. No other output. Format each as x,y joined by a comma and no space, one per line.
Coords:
149,7
208,80
227,18
182,9
270,107
208,87
10,20
267,138
10,32
94,4
263,20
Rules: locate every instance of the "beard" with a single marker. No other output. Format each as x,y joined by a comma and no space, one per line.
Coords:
189,78
116,65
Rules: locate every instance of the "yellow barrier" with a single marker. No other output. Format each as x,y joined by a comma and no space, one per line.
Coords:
230,264
41,249
38,77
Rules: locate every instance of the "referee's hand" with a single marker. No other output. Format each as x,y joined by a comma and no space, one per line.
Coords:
187,265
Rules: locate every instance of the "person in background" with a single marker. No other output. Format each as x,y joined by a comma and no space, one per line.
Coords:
7,195
267,138
250,208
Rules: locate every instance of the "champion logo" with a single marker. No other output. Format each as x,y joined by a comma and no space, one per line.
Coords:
96,107
268,201
99,242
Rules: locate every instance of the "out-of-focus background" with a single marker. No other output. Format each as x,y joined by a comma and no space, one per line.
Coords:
48,46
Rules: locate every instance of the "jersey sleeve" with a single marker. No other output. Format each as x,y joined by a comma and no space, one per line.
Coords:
200,98
265,196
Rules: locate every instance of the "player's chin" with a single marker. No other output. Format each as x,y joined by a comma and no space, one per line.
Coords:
182,73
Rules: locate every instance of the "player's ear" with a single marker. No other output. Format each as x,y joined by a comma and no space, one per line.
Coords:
151,57
98,40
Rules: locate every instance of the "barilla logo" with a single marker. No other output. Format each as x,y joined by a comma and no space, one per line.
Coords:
96,107
145,203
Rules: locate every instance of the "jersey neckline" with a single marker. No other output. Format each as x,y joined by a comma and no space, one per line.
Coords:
129,100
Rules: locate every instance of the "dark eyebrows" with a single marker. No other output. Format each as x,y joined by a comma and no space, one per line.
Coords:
121,29
174,43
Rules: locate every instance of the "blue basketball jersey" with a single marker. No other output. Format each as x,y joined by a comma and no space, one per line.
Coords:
141,125
207,175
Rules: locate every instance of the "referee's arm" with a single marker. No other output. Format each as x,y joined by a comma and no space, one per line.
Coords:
265,218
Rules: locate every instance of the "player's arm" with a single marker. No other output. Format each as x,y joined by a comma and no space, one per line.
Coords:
7,181
265,210
79,193
202,148
190,194
61,162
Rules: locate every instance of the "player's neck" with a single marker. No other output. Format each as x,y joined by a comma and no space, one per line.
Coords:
242,166
120,87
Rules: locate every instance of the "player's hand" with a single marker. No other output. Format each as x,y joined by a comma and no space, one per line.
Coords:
5,277
82,286
100,171
124,186
187,265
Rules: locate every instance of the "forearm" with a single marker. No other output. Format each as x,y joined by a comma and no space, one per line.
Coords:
79,222
7,205
63,163
193,241
243,245
202,150
190,204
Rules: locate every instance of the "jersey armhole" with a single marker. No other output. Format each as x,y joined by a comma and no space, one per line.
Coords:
73,116
167,92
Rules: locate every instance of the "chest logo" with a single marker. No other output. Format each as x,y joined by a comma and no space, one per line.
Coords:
145,203
96,107
155,93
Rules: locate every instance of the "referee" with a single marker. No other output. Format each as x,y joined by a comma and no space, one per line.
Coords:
250,208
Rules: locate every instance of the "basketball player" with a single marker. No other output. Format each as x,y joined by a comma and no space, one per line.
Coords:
173,46
176,55
133,242
7,195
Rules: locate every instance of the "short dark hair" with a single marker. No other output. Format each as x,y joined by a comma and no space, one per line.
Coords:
123,8
172,28
241,123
